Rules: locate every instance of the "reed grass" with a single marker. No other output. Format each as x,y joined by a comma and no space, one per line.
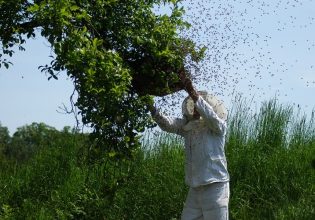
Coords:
270,157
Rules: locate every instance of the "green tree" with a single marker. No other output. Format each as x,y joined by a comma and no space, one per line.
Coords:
117,52
4,139
4,135
28,139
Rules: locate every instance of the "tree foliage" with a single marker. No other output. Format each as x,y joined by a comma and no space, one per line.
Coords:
28,139
117,52
4,139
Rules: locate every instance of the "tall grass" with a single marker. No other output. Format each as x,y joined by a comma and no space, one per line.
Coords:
270,158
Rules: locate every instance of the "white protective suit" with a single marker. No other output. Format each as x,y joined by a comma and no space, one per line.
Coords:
205,166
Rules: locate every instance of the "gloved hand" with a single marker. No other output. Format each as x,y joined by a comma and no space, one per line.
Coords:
152,108
187,83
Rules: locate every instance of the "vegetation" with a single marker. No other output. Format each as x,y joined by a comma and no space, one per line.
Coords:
270,157
117,54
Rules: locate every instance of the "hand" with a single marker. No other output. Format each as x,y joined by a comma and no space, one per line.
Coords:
193,93
183,78
152,108
188,86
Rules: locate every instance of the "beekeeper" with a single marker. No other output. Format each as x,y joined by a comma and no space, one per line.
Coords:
203,127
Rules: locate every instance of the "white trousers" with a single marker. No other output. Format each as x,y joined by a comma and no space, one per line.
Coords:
209,202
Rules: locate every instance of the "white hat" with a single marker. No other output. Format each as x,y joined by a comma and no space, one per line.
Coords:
217,105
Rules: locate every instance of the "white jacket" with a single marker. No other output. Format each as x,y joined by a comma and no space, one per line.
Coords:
204,144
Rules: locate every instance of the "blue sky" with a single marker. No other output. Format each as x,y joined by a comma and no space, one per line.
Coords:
277,58
269,45
26,94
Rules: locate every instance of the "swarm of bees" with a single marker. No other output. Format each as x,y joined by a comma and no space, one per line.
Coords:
251,46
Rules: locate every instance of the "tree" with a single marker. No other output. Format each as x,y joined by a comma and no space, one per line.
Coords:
29,139
4,139
4,135
117,52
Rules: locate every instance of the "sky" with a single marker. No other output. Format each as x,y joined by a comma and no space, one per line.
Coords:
256,49
27,96
269,48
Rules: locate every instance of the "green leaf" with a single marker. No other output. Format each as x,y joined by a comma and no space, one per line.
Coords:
115,53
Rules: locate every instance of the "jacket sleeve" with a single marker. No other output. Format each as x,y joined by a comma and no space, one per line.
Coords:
206,111
168,124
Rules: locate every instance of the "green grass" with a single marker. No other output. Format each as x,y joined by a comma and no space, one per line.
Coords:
271,159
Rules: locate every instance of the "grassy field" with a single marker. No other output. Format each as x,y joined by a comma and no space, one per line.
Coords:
271,160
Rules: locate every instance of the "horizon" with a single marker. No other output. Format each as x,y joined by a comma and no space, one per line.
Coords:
277,62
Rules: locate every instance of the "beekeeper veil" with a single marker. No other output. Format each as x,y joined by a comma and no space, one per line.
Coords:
217,105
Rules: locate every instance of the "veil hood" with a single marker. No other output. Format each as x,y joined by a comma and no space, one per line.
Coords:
217,105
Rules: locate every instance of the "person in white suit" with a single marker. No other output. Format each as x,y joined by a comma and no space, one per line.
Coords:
203,127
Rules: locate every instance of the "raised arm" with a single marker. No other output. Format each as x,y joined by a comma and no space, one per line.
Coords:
168,124
206,111
215,123
189,88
